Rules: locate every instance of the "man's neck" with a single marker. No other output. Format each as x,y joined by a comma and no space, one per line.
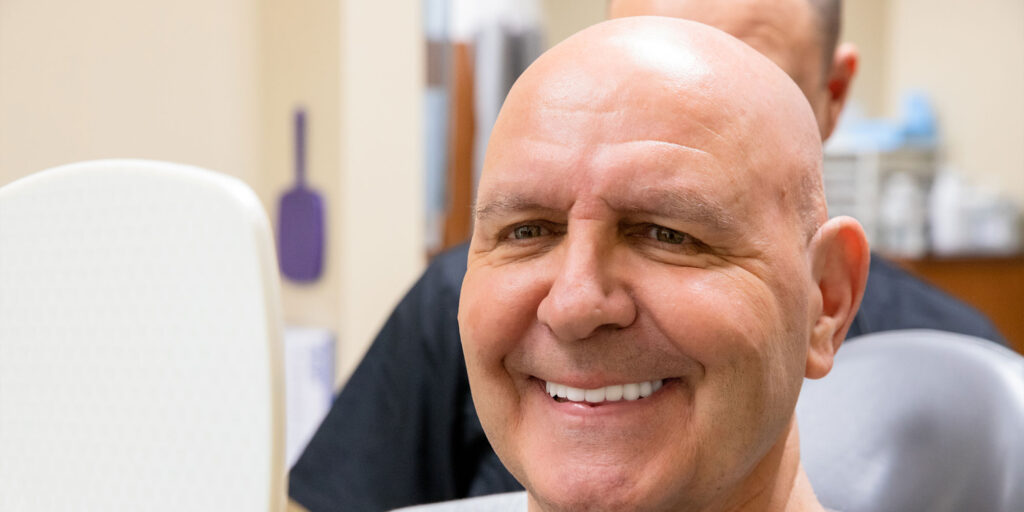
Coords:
779,483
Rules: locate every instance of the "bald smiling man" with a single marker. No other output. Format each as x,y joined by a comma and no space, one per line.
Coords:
653,273
404,429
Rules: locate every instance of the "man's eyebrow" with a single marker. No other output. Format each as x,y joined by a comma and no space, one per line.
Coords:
682,204
505,204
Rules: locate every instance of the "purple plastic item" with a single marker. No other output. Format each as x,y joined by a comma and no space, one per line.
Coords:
300,240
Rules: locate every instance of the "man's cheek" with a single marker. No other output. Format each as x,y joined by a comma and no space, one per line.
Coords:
714,311
507,297
492,315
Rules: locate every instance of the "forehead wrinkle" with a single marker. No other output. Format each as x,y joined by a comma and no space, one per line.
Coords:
661,159
667,144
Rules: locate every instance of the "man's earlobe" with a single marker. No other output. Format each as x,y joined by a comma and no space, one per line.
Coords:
839,266
838,82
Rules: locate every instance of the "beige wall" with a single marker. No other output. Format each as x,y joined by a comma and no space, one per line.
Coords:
357,67
213,84
969,56
563,18
866,24
382,217
300,51
121,78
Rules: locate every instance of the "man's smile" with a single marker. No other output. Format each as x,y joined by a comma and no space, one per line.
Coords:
613,393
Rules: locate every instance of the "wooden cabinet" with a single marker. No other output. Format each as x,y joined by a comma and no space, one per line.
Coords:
995,286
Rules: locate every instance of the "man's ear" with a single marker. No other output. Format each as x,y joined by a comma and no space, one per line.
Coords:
839,266
838,82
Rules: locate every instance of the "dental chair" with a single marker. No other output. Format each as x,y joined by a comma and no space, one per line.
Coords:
917,420
140,342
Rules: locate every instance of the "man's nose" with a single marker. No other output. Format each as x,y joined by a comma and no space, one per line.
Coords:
586,295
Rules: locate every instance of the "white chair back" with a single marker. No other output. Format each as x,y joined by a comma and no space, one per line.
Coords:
140,342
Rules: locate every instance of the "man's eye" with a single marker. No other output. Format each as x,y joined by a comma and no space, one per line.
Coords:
666,235
527,231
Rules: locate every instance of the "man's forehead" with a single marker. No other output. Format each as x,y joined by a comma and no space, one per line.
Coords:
589,160
643,176
560,122
644,87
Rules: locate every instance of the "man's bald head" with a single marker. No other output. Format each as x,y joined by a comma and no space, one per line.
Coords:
652,275
673,79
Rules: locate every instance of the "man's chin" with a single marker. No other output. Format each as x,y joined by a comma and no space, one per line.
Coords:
596,487
580,499
604,459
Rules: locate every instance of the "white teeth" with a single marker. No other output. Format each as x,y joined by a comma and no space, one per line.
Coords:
574,394
613,393
606,394
594,395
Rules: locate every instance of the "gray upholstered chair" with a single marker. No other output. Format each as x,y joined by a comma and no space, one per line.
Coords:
917,421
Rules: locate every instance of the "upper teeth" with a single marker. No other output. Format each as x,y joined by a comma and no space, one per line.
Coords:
607,393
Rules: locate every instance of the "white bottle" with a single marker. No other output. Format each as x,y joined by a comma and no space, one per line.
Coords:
946,215
902,217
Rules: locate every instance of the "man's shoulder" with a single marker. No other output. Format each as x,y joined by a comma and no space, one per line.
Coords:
895,299
448,268
508,502
438,288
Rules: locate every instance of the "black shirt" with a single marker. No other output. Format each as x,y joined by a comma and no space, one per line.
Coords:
403,431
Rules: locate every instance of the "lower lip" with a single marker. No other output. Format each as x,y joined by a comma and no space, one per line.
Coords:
616,407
